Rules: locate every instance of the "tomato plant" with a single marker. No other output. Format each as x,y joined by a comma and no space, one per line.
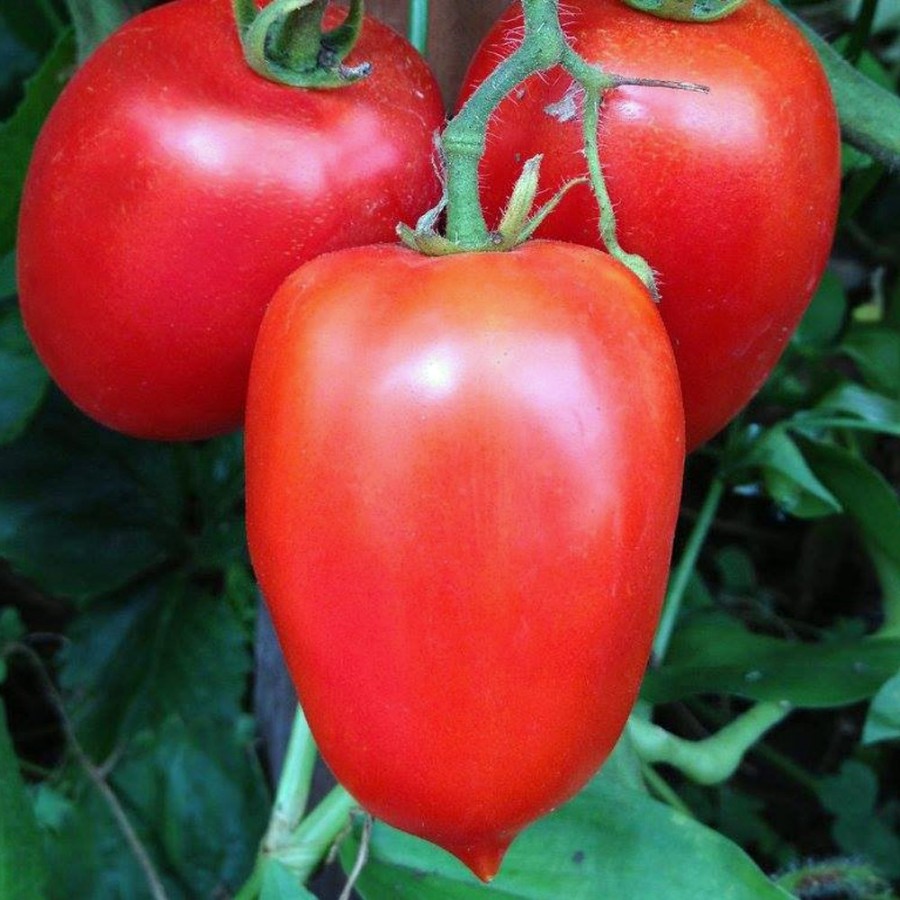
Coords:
731,195
463,554
171,191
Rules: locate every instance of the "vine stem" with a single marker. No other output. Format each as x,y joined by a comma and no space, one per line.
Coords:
664,791
97,775
681,574
292,793
315,835
299,843
417,29
711,760
463,141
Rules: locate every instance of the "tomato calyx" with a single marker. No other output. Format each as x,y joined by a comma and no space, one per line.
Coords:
516,226
687,10
285,42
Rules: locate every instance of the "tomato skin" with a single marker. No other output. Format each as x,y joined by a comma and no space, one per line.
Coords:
172,190
463,476
731,196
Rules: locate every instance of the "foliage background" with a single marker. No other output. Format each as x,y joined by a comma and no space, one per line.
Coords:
130,761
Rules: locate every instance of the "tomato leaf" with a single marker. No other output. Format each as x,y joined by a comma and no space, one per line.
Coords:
787,476
609,841
84,511
131,662
852,406
883,720
18,133
202,791
96,20
23,380
863,492
22,868
876,351
859,827
714,653
195,798
822,322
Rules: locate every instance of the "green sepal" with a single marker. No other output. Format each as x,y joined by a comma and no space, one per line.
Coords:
687,10
516,225
284,42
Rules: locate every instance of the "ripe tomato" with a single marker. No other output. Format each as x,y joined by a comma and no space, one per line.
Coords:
463,475
173,189
731,196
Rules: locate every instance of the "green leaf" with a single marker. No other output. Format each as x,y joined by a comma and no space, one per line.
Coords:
132,662
23,380
851,796
609,841
84,846
96,20
18,134
883,719
279,883
787,476
862,491
870,115
852,406
198,796
195,799
876,351
824,319
714,653
84,511
22,868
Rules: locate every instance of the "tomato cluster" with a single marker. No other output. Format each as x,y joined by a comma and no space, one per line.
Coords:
463,471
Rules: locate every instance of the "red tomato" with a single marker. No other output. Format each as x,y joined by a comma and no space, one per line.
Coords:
171,192
731,196
463,475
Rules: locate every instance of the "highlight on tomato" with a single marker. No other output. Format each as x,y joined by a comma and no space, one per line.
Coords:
463,475
172,189
731,195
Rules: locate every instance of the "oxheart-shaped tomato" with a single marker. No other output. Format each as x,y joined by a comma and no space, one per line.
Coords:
463,476
731,196
172,190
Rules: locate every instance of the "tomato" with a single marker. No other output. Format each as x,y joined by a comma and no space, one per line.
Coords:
731,196
463,475
173,189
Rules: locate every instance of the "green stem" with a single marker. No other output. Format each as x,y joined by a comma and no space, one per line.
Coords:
543,46
285,42
781,762
711,760
252,887
590,124
293,786
664,790
681,574
418,25
463,140
317,833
